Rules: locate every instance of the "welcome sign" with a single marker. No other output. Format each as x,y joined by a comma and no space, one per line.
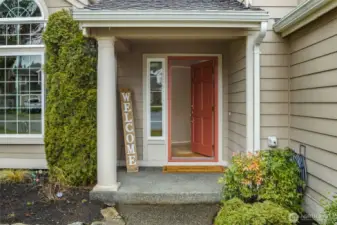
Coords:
129,131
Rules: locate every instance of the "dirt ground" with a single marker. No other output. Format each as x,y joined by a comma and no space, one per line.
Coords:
31,204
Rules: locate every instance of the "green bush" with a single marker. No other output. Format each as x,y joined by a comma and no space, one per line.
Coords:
70,120
268,175
330,213
281,179
236,212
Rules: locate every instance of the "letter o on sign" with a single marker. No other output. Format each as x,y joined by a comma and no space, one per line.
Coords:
130,138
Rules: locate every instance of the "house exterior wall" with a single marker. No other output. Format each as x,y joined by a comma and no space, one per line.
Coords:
28,155
274,75
237,97
313,100
276,8
56,5
130,75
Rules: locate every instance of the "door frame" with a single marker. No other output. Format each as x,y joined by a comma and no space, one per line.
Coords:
217,106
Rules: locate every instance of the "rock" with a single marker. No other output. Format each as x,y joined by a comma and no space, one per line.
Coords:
98,223
115,222
77,223
110,213
112,222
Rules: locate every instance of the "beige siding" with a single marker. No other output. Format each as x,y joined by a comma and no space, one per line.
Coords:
313,99
276,8
275,84
237,97
22,151
56,5
275,76
130,75
22,156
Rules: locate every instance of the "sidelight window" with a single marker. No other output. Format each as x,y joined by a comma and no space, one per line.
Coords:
156,71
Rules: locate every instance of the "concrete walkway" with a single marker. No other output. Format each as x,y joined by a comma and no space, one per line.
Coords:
151,186
168,214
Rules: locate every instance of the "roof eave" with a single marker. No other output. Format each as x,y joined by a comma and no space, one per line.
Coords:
169,18
302,15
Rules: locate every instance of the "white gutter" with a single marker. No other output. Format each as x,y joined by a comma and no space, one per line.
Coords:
257,99
169,18
303,14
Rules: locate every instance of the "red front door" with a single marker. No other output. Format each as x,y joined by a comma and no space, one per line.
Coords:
202,108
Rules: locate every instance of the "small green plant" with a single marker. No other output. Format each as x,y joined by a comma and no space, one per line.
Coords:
330,212
15,176
236,212
267,175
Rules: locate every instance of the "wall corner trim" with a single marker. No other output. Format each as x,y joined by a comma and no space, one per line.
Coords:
302,15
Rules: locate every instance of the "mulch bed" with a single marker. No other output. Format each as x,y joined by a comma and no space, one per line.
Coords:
29,204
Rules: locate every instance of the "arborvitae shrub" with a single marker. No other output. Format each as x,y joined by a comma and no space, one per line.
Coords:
70,118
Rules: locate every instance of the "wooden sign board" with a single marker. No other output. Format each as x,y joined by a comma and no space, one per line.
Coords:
129,131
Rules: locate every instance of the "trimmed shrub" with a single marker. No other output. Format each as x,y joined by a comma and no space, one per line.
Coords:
70,120
236,212
268,175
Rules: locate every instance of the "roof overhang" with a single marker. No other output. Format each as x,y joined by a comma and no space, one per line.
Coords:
166,18
305,13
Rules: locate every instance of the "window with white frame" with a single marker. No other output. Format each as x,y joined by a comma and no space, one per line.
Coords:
155,78
21,60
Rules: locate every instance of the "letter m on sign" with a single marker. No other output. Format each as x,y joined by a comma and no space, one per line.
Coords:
129,130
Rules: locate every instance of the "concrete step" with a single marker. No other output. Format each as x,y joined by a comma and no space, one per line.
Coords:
155,187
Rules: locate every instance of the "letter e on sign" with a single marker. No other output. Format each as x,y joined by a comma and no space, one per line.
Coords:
129,130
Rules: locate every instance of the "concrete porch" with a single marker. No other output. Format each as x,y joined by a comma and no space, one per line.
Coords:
151,186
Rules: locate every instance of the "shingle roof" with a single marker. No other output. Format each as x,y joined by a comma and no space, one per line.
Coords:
169,5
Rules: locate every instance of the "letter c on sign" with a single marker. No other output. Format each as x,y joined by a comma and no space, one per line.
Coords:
129,127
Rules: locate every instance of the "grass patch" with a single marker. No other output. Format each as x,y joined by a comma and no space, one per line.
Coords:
14,176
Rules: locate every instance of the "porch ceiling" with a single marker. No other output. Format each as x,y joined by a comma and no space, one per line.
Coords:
163,34
142,44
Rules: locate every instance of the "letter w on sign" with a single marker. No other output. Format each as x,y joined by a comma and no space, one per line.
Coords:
129,131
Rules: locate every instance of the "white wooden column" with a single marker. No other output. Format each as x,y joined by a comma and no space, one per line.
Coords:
106,116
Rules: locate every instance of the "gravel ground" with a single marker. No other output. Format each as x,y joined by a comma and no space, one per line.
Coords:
168,214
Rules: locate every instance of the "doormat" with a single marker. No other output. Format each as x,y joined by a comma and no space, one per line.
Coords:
193,169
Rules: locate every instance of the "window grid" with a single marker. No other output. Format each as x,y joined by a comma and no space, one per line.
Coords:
23,113
19,8
17,34
156,96
21,86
